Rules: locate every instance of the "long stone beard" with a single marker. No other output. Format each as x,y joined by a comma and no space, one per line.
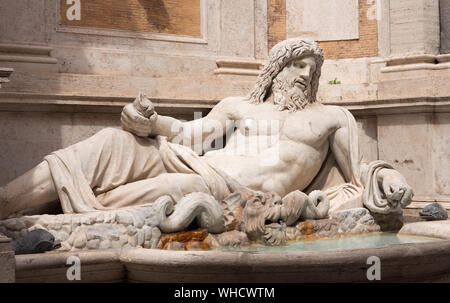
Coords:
287,97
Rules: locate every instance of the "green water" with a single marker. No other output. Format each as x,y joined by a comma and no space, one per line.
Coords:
342,243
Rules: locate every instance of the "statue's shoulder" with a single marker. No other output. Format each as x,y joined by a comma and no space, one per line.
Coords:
230,102
336,110
340,114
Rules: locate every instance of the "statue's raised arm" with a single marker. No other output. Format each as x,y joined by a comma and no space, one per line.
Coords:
141,119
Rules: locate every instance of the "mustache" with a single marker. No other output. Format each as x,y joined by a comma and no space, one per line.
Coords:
299,80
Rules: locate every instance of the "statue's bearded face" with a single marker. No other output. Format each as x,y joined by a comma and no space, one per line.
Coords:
292,86
265,217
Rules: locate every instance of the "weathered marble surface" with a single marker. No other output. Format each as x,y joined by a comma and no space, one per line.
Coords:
138,228
345,222
96,230
437,229
431,264
246,185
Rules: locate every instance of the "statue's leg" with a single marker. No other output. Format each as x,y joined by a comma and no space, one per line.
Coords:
149,190
106,160
33,188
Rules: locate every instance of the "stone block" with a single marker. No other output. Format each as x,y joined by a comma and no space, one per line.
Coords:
7,260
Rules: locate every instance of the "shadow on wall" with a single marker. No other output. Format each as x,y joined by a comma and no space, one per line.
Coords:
157,15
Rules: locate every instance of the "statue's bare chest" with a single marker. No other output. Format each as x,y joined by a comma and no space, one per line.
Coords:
310,127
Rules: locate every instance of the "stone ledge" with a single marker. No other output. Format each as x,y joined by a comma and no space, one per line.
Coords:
19,102
437,229
26,53
396,106
98,266
416,62
415,262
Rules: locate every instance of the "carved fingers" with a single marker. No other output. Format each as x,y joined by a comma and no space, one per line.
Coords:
143,105
407,197
135,122
396,190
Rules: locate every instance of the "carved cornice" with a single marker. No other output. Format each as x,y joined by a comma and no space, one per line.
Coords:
416,62
29,102
396,106
238,66
32,102
26,53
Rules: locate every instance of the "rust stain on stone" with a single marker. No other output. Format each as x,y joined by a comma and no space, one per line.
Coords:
186,237
306,228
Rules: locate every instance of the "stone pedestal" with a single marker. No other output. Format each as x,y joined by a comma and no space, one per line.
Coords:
7,260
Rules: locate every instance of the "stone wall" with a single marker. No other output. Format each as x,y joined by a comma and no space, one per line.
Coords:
71,81
354,36
367,43
176,17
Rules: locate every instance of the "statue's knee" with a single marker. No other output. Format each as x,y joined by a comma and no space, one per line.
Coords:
194,183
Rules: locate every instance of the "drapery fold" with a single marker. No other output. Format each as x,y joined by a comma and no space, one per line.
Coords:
85,173
116,161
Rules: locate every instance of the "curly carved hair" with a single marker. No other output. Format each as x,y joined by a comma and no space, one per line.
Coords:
279,56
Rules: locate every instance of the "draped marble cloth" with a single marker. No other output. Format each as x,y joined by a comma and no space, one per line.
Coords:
115,169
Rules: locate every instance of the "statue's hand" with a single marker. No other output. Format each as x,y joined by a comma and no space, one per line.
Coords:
138,117
396,189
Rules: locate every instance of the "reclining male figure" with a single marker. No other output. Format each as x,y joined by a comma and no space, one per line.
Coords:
307,147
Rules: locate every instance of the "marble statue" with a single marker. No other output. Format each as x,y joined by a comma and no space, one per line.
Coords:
280,143
262,216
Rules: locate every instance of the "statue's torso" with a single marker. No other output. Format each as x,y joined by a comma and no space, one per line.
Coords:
276,151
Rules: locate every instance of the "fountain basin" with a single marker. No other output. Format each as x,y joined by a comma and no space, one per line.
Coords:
410,262
341,242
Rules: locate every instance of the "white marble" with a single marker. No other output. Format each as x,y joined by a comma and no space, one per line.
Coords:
280,143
